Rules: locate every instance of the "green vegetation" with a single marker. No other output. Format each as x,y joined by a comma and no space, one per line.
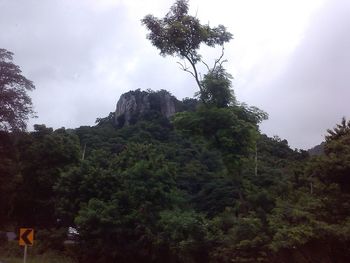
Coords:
43,258
12,253
203,186
15,104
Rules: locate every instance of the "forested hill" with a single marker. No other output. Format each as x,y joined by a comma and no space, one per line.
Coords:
163,180
201,186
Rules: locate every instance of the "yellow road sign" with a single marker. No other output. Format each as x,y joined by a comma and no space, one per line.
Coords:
26,236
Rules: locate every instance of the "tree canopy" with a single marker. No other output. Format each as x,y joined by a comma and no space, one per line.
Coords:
15,104
180,34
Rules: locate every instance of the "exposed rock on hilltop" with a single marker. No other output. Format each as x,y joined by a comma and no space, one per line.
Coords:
317,150
135,104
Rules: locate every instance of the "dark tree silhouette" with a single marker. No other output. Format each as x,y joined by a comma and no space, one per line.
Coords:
15,104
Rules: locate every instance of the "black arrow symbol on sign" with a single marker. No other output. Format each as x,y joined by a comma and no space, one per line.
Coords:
24,236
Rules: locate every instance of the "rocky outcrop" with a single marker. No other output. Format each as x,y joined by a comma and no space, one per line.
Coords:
167,104
317,150
134,104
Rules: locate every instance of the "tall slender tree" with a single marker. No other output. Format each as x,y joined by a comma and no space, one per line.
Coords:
180,34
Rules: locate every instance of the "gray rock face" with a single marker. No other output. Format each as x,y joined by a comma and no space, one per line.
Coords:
135,103
167,105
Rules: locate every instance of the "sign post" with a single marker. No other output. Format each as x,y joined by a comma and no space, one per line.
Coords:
26,238
25,254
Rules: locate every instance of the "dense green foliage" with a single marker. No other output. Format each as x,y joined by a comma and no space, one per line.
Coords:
181,34
183,190
150,193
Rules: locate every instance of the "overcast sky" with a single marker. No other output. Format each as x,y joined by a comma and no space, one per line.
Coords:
291,58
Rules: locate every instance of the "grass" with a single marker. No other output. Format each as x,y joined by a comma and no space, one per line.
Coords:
49,257
12,253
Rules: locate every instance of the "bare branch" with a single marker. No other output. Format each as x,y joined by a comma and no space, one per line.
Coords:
196,13
206,65
181,65
184,68
225,60
217,61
